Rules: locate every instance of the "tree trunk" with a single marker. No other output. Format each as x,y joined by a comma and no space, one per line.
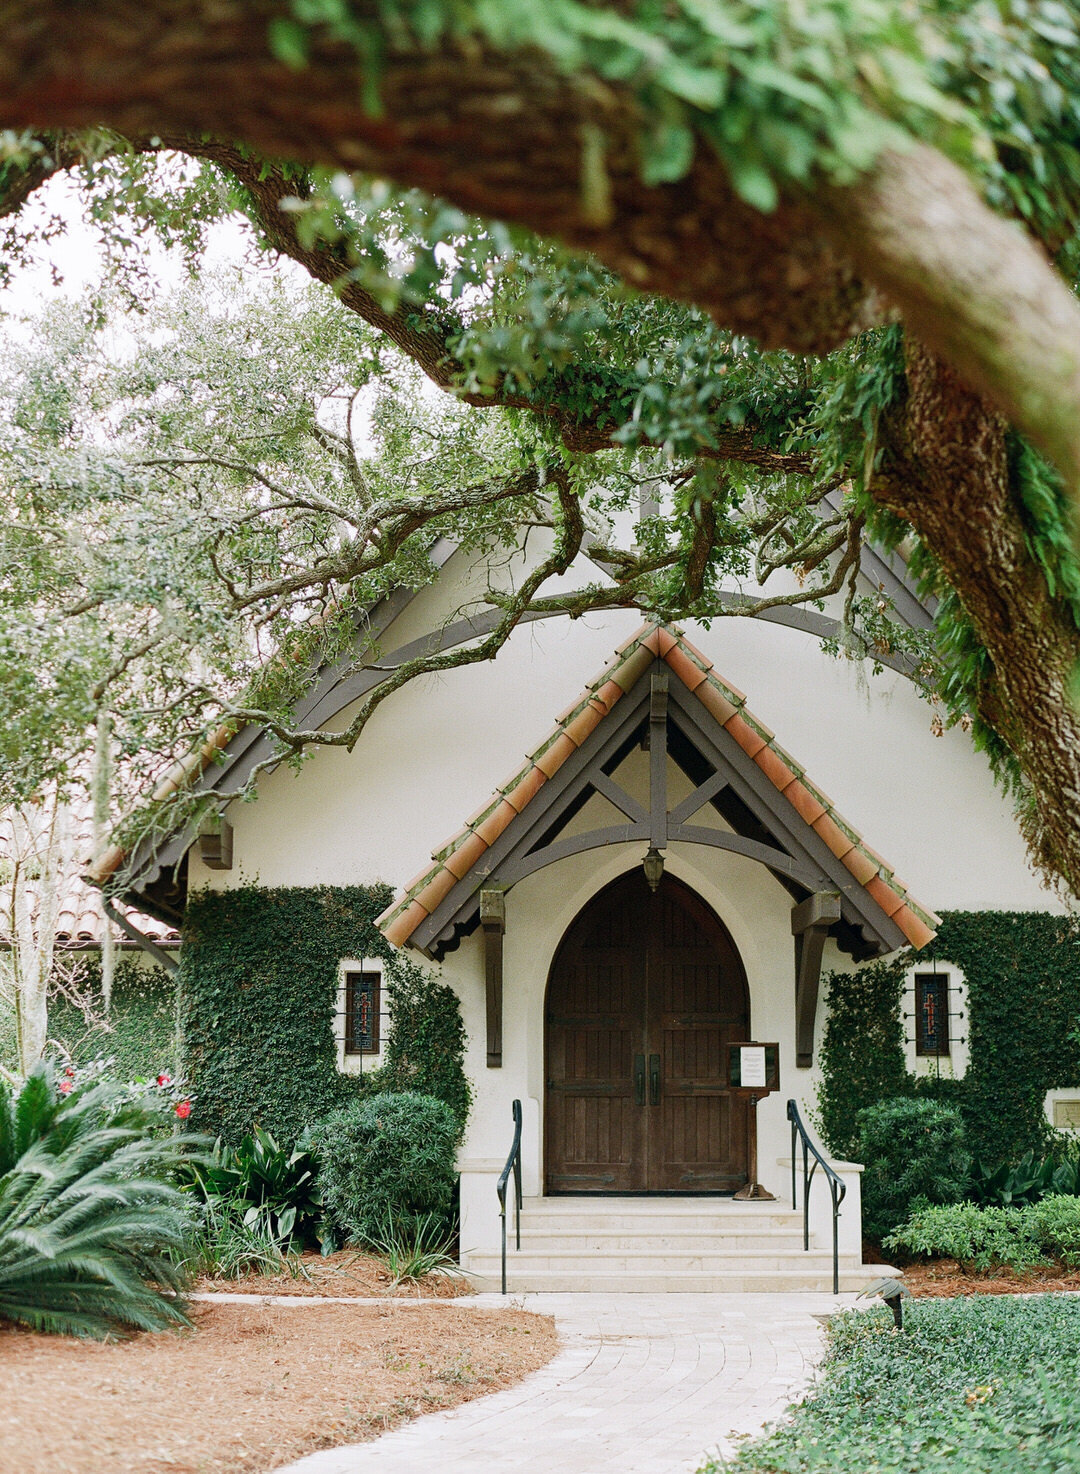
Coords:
948,476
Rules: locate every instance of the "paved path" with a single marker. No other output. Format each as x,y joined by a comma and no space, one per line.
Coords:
645,1384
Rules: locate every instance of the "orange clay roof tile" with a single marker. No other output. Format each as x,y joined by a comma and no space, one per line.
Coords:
727,704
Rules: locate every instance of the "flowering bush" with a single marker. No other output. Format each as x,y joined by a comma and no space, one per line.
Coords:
167,1099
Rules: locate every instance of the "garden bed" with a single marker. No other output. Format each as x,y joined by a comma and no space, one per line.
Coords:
349,1273
944,1277
251,1388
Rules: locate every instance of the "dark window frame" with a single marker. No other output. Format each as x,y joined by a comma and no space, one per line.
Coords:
368,1041
932,1033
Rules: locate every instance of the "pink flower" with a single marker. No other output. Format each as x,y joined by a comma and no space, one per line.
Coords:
70,1073
165,1078
65,1087
183,1110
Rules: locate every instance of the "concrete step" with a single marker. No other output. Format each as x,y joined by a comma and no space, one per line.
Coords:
704,1260
620,1216
658,1240
732,1281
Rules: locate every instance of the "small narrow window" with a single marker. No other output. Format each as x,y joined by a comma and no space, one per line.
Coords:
362,1012
932,1013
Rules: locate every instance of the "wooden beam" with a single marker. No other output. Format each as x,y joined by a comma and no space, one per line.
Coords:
810,923
658,756
493,921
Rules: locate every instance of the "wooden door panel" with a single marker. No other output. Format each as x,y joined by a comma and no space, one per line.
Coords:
640,975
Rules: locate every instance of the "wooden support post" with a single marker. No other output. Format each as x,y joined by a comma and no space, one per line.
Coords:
810,923
493,921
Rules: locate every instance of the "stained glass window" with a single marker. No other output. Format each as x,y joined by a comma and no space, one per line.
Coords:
362,1012
931,1013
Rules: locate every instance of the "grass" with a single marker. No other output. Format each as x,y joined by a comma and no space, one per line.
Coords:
968,1386
412,1251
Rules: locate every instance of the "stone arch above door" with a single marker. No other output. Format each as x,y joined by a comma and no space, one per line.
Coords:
645,993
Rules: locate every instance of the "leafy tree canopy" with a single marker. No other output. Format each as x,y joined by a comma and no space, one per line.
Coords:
804,253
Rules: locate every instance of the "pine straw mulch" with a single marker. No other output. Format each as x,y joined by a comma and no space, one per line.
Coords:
349,1272
251,1387
944,1277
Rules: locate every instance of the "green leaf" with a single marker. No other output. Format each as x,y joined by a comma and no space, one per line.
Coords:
289,42
668,154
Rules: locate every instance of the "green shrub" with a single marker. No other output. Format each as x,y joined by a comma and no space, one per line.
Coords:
91,1232
912,1151
1029,1180
1056,1224
974,1384
979,1239
265,1182
388,1160
231,1242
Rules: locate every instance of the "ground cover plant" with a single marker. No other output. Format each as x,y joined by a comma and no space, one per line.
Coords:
92,1233
970,1384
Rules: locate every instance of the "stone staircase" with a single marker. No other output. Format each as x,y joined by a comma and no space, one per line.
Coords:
656,1245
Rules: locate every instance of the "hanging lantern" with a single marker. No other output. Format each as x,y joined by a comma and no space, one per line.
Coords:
653,866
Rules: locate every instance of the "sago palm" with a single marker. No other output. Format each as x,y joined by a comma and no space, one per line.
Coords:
91,1230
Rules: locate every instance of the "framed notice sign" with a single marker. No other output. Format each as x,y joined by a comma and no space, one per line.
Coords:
754,1067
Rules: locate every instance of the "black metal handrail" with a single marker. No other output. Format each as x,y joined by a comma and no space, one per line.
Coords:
513,1164
837,1187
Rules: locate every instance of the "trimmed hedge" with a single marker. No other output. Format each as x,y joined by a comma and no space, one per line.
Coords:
386,1163
913,1149
259,977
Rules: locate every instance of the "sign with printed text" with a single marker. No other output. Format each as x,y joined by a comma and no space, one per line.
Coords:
754,1067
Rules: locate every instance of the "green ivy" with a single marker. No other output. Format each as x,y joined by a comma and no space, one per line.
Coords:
862,1050
259,977
425,1053
1023,1028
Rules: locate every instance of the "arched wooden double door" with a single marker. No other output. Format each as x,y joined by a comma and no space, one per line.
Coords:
645,994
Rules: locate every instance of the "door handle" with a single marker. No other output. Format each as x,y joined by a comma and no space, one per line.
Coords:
654,1079
639,1079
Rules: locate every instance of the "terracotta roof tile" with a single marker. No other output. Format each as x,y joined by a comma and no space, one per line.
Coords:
555,754
885,896
716,702
526,788
727,704
437,889
497,820
860,864
748,739
462,859
826,828
775,768
803,801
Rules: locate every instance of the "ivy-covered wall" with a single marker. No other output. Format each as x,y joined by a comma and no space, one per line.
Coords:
258,987
1023,977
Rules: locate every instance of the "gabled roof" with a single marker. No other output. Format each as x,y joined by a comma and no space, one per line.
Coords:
868,880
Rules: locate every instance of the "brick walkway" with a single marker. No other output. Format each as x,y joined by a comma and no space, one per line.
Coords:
645,1384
